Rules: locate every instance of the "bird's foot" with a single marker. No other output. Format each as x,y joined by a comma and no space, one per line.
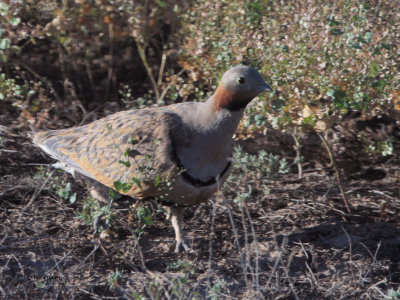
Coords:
183,245
175,215
99,225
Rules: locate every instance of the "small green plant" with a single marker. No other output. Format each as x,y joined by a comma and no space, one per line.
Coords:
12,88
217,288
65,192
59,185
126,96
386,147
8,21
91,206
181,285
137,296
262,166
115,278
242,197
383,148
144,215
156,289
40,284
181,266
11,91
255,172
392,295
373,146
92,212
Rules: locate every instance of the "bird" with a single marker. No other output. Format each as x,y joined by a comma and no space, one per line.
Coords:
178,154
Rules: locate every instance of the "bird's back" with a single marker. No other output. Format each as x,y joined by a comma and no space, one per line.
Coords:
125,145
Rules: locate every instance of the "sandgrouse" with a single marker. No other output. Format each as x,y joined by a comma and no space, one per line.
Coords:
179,154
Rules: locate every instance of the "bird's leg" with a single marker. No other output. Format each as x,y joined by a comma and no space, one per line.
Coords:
175,215
99,192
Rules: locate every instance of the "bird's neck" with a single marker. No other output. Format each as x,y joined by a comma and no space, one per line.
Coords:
225,99
222,120
221,99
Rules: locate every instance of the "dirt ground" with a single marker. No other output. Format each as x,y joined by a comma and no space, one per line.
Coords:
296,242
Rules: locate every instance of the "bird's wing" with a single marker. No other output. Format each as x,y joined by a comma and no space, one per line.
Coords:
133,147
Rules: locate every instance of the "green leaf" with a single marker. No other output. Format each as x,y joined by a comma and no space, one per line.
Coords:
310,121
387,46
68,187
3,9
260,120
278,104
336,31
368,37
144,214
285,48
162,4
355,45
157,180
15,21
376,51
72,199
339,99
137,182
4,44
127,151
126,187
125,163
373,69
257,7
113,195
332,22
118,185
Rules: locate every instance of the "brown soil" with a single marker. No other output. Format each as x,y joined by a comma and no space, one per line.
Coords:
304,244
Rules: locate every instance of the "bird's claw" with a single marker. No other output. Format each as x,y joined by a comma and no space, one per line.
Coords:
183,245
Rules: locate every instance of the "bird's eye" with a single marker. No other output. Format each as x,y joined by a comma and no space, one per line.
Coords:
240,80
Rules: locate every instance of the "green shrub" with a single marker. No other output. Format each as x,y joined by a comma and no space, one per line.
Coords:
323,59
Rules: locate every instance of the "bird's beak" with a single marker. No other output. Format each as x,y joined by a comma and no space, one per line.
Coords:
265,87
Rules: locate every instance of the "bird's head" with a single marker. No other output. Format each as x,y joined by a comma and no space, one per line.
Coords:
238,86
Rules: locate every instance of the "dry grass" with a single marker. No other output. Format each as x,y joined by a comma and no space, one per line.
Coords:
294,242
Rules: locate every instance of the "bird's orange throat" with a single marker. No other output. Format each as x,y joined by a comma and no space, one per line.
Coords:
224,98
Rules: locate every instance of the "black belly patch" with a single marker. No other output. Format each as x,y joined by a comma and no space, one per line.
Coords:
200,183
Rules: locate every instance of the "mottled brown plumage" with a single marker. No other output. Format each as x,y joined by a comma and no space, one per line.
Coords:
97,149
179,153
